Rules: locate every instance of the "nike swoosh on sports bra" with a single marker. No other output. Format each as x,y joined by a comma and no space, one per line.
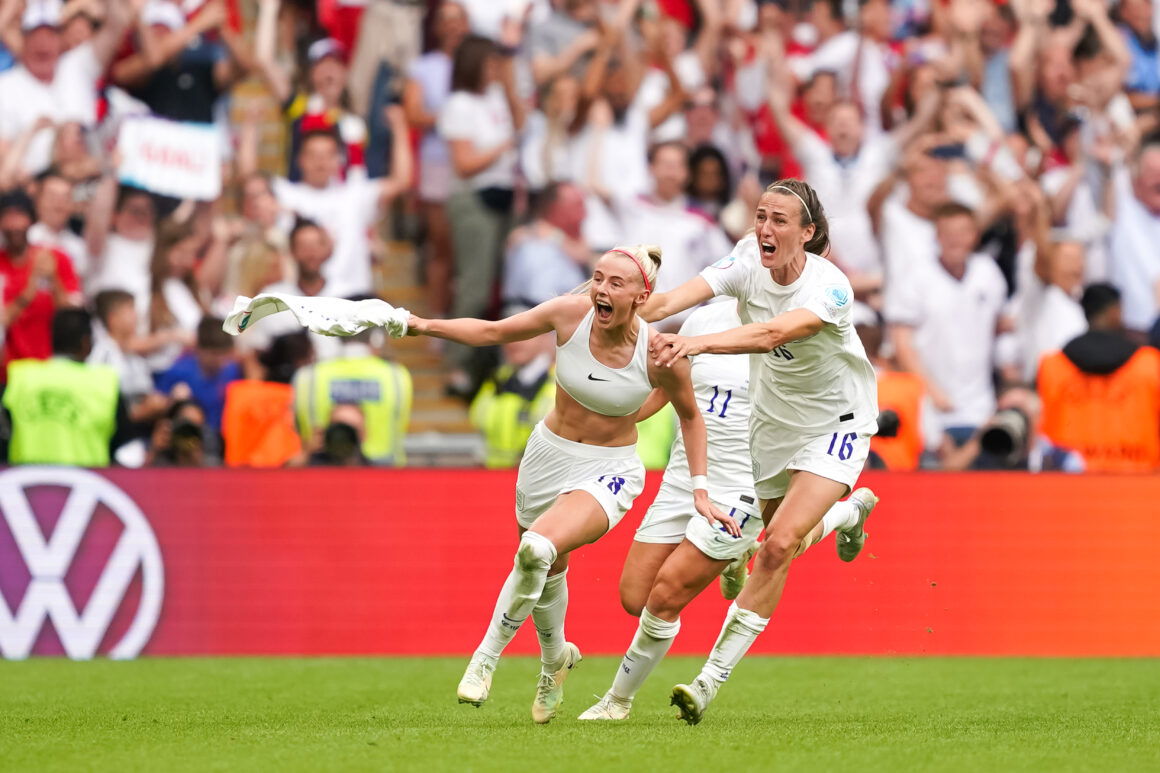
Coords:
599,388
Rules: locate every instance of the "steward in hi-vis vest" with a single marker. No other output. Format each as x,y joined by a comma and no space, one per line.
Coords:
63,411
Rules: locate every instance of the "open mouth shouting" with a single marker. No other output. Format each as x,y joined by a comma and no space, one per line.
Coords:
603,311
768,248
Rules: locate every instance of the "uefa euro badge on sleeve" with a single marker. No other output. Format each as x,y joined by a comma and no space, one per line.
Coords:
836,298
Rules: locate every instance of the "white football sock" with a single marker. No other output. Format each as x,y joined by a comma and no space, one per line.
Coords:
502,629
739,632
841,516
518,596
549,619
652,641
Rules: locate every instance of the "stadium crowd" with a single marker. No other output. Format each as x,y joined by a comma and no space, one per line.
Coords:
991,172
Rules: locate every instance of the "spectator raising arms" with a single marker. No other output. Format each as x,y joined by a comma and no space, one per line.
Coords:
53,83
346,208
182,67
321,102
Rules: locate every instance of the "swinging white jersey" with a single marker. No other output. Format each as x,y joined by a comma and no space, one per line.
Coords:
819,384
721,385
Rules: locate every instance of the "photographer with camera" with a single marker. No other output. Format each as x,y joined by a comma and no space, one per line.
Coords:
179,440
341,441
1011,440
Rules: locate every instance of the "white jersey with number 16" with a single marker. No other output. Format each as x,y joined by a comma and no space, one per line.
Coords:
814,385
721,384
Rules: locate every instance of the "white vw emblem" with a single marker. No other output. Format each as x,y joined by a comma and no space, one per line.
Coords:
49,557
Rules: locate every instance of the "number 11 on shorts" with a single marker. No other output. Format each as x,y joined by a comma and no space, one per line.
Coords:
846,448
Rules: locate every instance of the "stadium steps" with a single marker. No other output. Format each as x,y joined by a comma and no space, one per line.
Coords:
433,412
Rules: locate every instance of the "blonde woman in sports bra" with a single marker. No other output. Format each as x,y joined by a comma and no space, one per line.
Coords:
580,473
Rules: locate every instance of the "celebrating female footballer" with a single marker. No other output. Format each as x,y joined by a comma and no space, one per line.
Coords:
813,397
580,473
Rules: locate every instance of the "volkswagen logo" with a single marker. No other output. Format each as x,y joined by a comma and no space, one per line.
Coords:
49,557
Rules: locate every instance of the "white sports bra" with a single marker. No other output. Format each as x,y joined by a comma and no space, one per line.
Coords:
599,388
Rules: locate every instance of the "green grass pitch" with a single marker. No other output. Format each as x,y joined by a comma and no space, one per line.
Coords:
808,714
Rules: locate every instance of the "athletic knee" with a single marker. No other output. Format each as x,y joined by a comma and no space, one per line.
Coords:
632,603
776,551
633,597
536,553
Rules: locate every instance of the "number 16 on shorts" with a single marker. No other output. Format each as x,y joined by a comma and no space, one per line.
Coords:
843,448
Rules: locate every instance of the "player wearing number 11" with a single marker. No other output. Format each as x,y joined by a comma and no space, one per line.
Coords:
813,402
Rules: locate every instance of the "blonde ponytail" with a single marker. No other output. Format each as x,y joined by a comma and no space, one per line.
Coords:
649,256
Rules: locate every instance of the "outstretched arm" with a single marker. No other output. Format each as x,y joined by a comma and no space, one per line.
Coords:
662,305
544,318
678,386
755,338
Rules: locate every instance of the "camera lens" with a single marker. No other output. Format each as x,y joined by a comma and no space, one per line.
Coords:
888,424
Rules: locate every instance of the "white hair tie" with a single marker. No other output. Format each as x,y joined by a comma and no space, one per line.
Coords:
796,196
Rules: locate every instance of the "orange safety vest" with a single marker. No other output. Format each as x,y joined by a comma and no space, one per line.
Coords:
258,424
900,392
1113,420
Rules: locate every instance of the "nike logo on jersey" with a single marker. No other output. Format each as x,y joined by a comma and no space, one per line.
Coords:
593,378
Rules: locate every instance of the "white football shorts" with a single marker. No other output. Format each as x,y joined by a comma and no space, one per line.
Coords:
553,466
777,450
672,518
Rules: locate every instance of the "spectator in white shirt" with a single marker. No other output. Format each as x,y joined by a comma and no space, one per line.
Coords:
50,82
114,339
944,319
845,170
550,151
683,66
311,248
1047,309
690,239
425,91
1075,202
613,145
119,232
865,53
175,299
348,208
904,219
54,207
479,123
1135,253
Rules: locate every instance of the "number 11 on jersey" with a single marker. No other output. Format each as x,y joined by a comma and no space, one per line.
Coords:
724,405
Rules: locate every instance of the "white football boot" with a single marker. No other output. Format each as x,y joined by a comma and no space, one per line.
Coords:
851,540
694,699
550,688
608,707
476,683
734,577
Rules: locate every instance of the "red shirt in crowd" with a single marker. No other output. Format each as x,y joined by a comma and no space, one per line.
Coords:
30,333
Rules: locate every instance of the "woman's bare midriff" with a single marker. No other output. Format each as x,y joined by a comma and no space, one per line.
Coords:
572,421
